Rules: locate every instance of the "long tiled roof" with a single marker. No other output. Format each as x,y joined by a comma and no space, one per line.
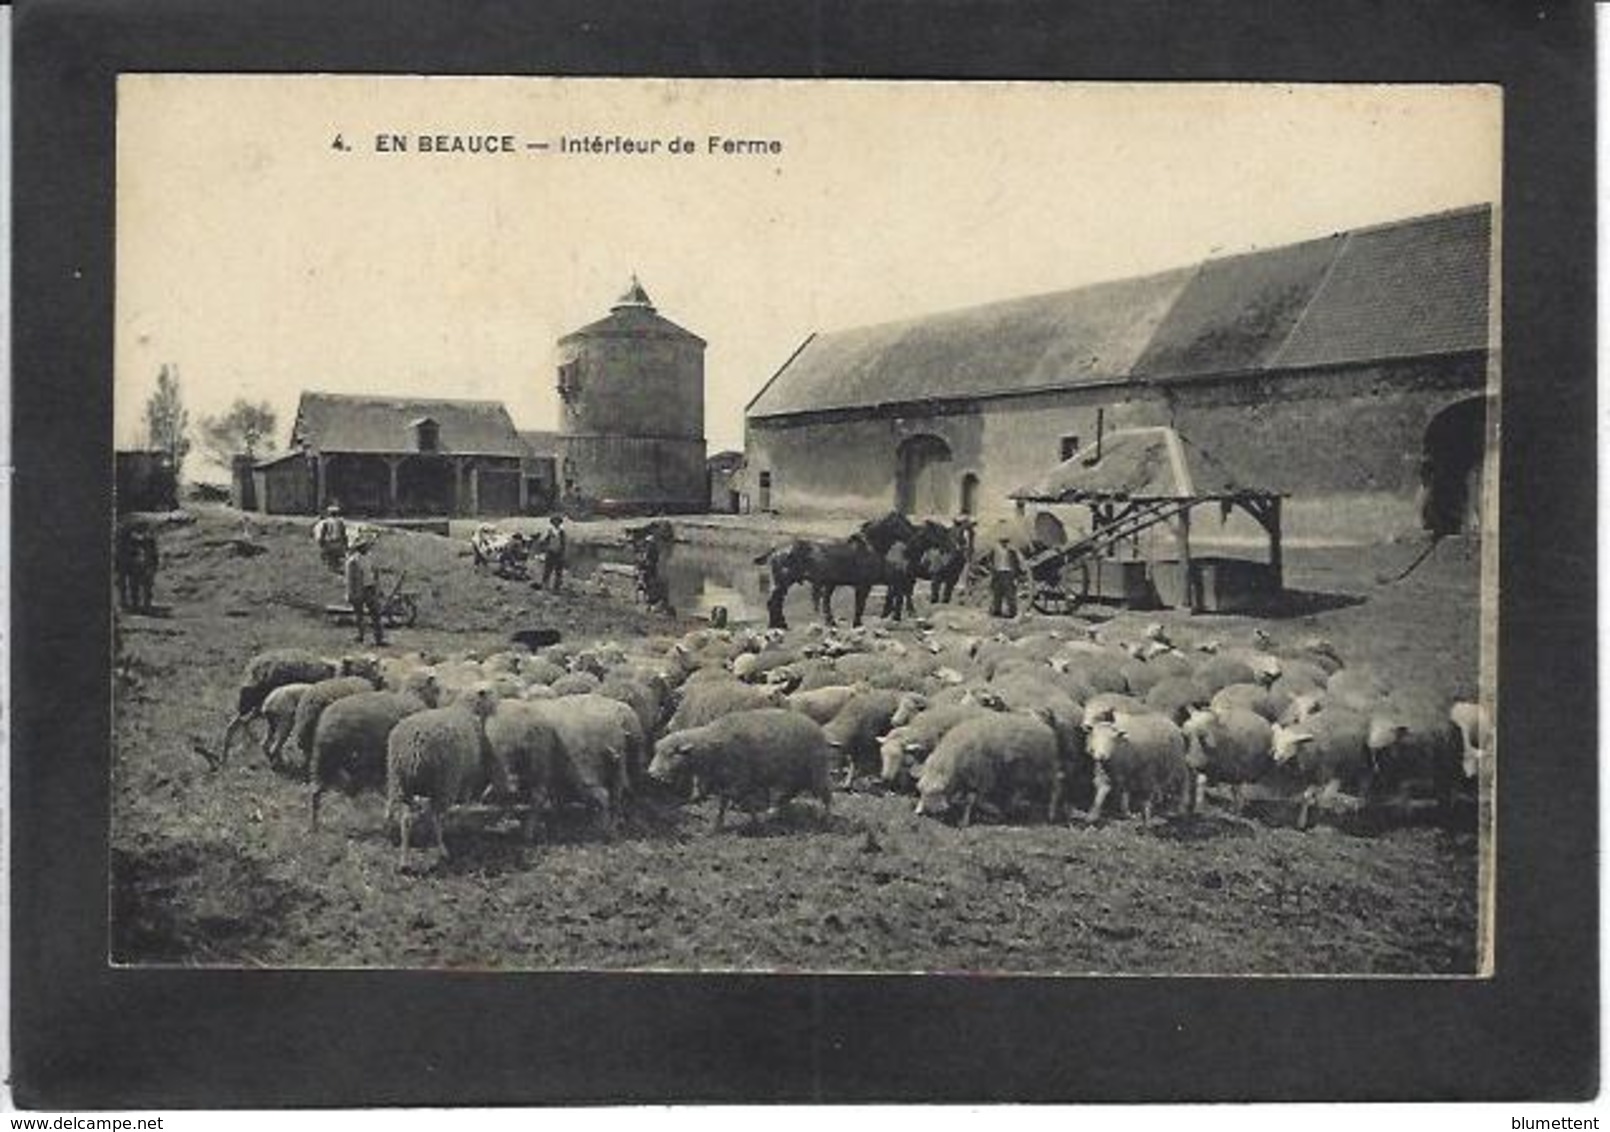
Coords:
1407,288
338,422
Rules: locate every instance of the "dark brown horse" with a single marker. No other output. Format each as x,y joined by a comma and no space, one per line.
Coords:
861,561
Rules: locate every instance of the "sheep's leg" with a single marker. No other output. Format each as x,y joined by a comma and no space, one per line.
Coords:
967,809
1238,797
1308,797
1056,800
1102,790
405,831
438,818
721,811
318,790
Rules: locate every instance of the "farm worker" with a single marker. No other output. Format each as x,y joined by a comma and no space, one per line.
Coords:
363,586
330,533
1005,567
963,527
553,556
136,562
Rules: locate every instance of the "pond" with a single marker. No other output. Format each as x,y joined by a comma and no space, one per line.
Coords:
703,577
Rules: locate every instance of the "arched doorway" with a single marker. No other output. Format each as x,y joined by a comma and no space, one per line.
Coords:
922,486
969,494
1451,468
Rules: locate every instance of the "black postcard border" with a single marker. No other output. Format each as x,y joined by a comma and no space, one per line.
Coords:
87,1036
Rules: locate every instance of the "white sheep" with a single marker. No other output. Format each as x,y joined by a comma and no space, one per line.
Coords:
279,709
1143,758
440,758
1233,745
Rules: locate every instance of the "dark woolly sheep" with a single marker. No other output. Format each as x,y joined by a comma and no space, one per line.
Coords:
349,741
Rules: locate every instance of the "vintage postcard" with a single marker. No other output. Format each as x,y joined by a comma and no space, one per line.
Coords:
1041,528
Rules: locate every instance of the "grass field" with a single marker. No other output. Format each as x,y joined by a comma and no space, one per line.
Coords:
221,868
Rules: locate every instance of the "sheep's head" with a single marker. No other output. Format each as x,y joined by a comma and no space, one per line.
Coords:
1385,733
1266,668
366,665
1105,739
1305,704
1287,741
673,758
480,699
423,686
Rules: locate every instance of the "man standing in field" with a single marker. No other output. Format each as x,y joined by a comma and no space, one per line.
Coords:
553,555
363,587
330,533
1005,568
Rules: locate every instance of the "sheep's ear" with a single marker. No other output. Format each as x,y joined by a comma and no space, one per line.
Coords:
1121,732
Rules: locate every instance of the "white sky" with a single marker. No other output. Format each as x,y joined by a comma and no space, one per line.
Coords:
262,262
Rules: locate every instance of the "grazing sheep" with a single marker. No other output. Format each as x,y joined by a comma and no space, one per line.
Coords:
992,759
279,708
578,683
1325,752
822,704
540,670
312,705
1143,758
267,671
705,703
1475,733
1220,672
1362,689
854,731
603,748
1099,675
749,756
643,701
525,741
349,740
1413,743
1252,697
1176,697
1231,745
1141,677
911,741
440,757
1104,707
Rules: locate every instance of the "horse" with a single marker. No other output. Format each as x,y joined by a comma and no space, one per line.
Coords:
938,555
858,561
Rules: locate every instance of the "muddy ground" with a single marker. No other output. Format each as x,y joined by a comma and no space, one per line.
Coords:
220,867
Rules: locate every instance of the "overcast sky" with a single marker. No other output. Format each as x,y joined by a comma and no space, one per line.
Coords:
262,261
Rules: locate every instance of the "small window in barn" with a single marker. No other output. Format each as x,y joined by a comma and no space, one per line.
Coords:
427,435
1070,447
569,381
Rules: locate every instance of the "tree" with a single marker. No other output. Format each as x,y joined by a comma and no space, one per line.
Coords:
167,424
245,430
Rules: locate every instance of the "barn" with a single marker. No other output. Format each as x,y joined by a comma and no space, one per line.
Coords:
398,457
1352,373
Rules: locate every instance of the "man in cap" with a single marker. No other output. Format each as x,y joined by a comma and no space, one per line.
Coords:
553,555
363,585
330,533
1005,568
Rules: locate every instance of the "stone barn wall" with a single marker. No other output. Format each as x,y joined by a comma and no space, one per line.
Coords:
1346,443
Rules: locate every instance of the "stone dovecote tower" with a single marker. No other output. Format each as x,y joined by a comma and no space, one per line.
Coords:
631,390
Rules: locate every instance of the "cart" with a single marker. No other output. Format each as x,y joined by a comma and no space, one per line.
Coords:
398,607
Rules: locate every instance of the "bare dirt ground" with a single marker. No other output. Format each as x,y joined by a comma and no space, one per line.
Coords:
221,868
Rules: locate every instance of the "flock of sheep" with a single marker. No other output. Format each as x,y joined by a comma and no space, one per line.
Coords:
1029,720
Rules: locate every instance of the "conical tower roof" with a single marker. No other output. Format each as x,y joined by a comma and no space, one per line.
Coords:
633,316
634,297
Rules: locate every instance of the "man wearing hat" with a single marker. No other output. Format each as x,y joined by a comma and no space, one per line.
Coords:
1005,567
363,585
330,533
553,556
